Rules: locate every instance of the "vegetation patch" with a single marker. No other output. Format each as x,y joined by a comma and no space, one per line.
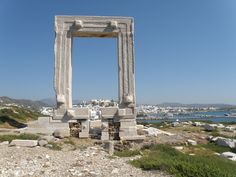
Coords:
24,136
127,153
216,148
54,146
166,158
217,133
158,125
17,117
70,141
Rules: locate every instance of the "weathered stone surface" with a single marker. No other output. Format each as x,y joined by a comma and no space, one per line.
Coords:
4,143
108,112
229,155
24,143
220,126
229,129
209,138
109,146
192,142
175,124
210,127
226,142
179,147
45,125
151,131
95,123
67,27
214,139
140,126
198,124
42,142
91,161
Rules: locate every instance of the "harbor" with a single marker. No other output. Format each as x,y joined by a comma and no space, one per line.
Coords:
211,116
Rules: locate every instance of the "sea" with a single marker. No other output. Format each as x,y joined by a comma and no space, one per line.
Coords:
212,116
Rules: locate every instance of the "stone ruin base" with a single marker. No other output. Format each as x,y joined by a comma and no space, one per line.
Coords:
118,129
46,125
111,129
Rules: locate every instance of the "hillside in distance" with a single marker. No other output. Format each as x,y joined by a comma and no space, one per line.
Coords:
24,103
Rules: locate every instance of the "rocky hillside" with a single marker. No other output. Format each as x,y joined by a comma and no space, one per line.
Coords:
16,117
29,104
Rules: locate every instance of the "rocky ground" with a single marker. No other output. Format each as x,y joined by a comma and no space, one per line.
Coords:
90,161
87,157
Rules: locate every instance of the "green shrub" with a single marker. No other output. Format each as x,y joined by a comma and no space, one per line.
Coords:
216,133
70,141
163,157
17,117
54,146
216,148
24,136
127,153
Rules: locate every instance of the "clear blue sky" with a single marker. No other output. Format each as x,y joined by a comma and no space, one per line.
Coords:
185,50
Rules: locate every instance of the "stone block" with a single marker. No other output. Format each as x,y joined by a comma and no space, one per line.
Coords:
121,112
229,155
175,124
140,126
81,113
95,123
61,99
4,143
192,142
109,112
128,98
109,146
229,129
42,142
226,142
210,127
105,136
197,124
220,126
24,143
70,113
84,134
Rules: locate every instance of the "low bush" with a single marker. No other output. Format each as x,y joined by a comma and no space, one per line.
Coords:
70,141
24,136
127,153
16,117
54,146
164,157
216,148
216,133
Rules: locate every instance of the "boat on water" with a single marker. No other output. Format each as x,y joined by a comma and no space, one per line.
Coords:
230,114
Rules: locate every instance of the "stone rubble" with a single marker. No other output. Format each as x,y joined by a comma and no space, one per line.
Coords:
151,131
43,162
197,124
221,141
227,142
192,142
229,155
229,129
210,127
